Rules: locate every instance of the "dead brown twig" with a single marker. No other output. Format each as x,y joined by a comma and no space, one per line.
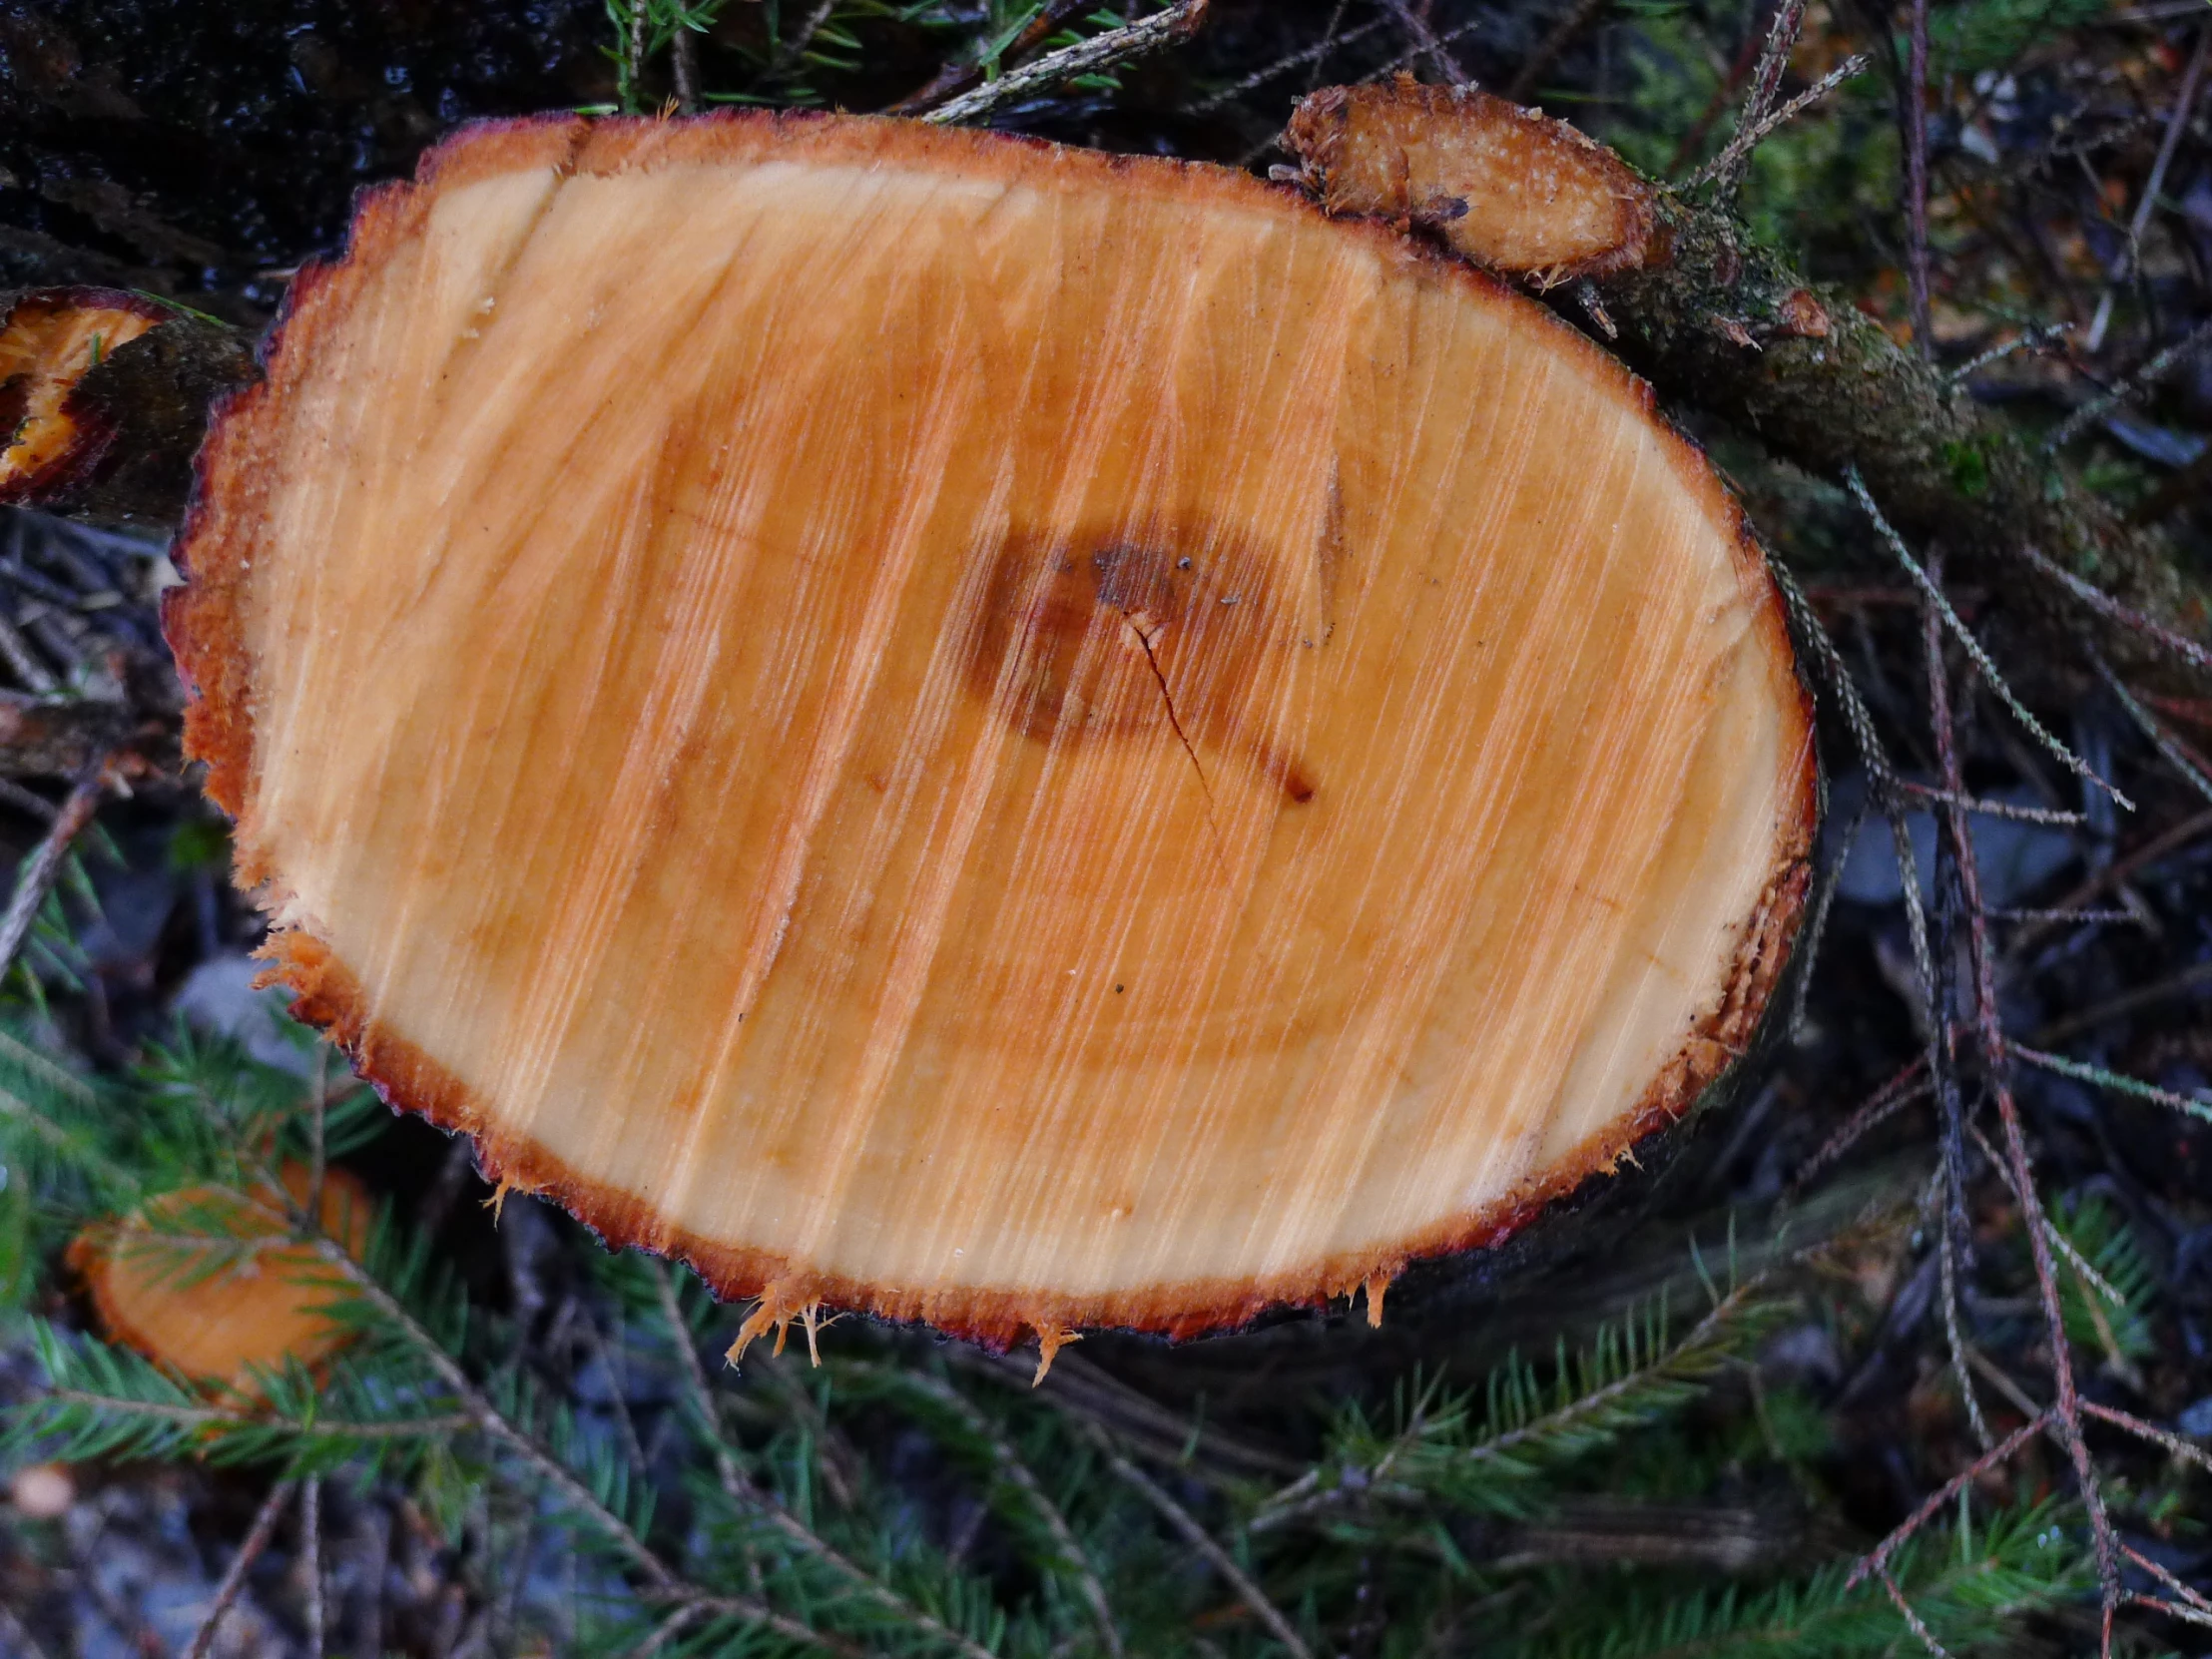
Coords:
233,1576
44,864
1086,56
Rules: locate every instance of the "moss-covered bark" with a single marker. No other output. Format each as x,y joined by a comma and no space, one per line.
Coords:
1734,329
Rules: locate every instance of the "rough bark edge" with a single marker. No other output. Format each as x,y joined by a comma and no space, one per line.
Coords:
213,553
138,415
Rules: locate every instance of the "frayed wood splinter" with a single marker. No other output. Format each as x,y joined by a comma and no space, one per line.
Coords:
1050,1341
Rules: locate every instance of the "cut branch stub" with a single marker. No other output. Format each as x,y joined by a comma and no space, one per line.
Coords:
1508,187
104,396
1689,298
995,734
206,1283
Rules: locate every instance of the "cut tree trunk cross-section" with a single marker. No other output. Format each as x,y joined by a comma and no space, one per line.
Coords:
995,734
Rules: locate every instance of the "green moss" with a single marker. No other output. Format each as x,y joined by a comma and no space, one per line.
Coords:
1970,467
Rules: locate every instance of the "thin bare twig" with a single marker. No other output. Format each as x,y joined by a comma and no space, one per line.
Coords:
1957,1234
1766,85
2193,1606
2131,254
1980,658
1995,1059
310,1558
633,55
2116,872
1912,116
45,862
788,54
1187,1527
2112,610
1909,1085
1426,42
1085,56
233,1576
2150,1432
2059,1242
2128,386
1877,1559
2172,750
2030,339
683,64
1315,55
1404,59
1328,41
1569,29
2116,1081
1728,167
1774,60
1993,809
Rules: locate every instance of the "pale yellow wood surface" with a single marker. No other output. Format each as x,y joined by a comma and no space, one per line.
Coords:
965,726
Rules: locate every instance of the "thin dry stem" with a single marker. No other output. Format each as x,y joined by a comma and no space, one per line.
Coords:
311,1560
1912,113
1187,1529
233,1576
2128,386
1426,42
45,862
1314,55
2104,605
1727,169
1564,33
2170,749
1877,1559
1973,649
2150,1432
1086,56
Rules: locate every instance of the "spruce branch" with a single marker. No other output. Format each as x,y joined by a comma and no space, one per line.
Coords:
1187,1527
665,1583
1629,1375
794,1533
1010,1465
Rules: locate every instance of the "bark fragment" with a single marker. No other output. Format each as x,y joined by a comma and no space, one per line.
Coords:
106,395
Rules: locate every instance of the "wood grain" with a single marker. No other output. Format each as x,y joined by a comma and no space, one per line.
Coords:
993,733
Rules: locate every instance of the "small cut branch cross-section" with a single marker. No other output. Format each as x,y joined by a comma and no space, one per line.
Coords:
988,733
